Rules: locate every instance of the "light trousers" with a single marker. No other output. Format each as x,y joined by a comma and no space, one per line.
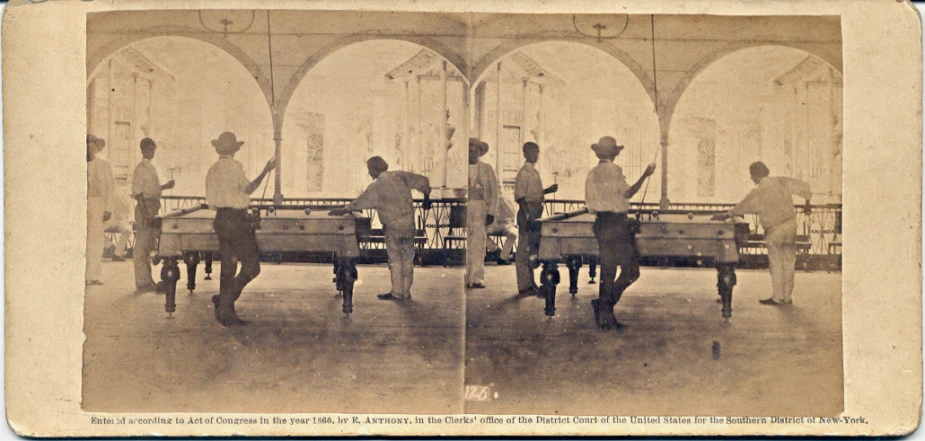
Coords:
507,245
782,256
476,235
399,245
95,209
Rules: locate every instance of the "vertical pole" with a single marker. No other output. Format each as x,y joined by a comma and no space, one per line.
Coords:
523,112
805,158
540,132
277,173
111,112
405,142
830,168
444,153
499,127
664,202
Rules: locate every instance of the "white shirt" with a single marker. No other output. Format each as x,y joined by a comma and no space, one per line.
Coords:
772,200
528,184
145,181
390,195
605,189
226,184
482,175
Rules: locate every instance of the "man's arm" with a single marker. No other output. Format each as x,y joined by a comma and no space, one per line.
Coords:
271,164
747,206
635,187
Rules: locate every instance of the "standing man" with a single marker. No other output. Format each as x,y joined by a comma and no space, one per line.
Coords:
390,196
100,190
772,201
480,212
607,197
228,192
146,190
504,224
528,193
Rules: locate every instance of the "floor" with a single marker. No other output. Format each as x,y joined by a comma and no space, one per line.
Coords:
675,357
302,354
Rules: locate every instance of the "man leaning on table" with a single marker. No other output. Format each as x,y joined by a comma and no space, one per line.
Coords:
772,201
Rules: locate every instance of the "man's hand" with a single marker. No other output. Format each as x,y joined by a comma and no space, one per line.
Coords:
338,212
649,170
490,219
170,184
720,217
427,204
271,164
552,188
106,216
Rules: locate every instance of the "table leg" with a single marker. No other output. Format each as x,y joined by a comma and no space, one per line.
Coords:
574,265
170,273
726,280
346,275
592,263
550,278
208,257
191,259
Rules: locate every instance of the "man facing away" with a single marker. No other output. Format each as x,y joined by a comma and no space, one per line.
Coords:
146,191
100,193
772,201
480,212
390,195
228,193
529,195
607,196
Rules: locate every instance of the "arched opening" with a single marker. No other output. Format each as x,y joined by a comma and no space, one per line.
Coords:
182,93
776,104
386,98
564,96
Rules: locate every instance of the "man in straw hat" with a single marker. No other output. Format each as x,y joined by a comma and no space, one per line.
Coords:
100,194
772,201
607,196
390,196
146,190
529,195
228,193
480,212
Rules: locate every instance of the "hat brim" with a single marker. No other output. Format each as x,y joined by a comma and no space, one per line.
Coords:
226,146
481,146
606,148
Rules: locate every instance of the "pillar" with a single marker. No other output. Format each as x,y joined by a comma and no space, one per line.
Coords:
499,127
277,173
444,134
418,132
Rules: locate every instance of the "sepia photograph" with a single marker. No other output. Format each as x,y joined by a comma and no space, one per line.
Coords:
700,155
276,207
436,219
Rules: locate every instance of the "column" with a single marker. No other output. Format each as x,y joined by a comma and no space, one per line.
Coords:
664,202
443,132
499,127
418,132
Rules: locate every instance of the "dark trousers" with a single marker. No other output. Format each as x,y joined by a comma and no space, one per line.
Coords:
617,246
528,244
237,243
